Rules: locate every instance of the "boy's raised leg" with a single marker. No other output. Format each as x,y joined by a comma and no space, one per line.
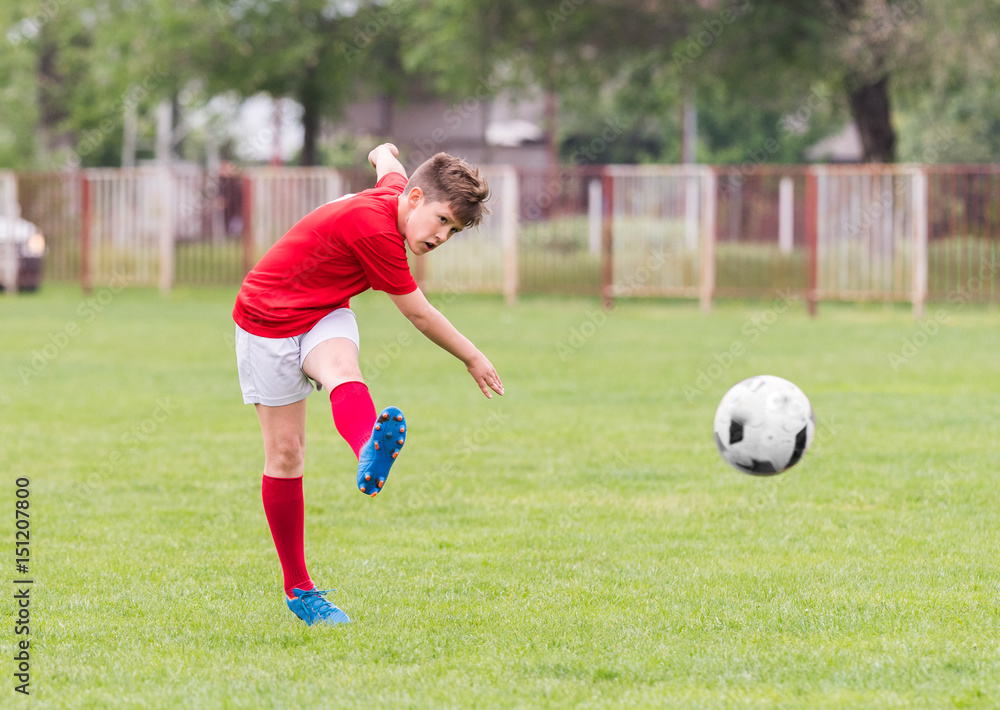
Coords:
334,363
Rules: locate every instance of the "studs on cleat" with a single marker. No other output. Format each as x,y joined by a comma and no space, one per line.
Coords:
378,427
381,482
376,446
399,441
399,417
374,494
368,477
385,417
361,488
402,429
395,454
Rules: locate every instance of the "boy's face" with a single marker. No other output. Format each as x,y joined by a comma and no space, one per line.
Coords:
428,224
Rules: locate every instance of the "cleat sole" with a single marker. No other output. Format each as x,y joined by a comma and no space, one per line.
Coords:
377,456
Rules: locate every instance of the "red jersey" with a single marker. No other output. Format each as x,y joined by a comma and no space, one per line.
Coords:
333,253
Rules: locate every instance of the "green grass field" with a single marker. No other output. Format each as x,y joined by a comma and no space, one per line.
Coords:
578,543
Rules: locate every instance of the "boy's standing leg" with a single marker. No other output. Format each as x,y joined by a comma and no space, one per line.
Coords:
284,432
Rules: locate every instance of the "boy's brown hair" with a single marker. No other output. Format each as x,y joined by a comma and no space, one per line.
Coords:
445,178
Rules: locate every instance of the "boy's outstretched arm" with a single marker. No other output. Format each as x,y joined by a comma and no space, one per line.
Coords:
429,321
384,158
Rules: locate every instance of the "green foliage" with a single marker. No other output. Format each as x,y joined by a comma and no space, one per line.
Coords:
71,67
18,100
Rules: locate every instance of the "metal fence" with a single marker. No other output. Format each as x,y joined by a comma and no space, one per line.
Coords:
760,232
858,232
659,231
963,232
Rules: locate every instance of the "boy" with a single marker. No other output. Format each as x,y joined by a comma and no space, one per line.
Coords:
295,329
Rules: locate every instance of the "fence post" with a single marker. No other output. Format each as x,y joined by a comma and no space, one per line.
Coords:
919,241
692,188
510,192
812,224
86,277
594,207
246,184
167,231
708,237
10,209
607,242
786,215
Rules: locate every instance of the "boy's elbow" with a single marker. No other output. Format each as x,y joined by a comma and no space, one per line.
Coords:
422,320
419,321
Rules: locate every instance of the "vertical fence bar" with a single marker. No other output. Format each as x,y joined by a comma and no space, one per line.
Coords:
919,187
594,204
10,209
248,238
708,236
607,242
692,188
508,223
786,214
167,231
86,278
812,214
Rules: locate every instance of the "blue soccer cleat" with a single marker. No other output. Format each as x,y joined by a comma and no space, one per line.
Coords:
379,453
312,608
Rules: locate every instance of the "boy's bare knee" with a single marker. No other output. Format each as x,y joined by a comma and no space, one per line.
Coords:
286,458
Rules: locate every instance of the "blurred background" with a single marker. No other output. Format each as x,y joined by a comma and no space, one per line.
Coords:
220,92
316,82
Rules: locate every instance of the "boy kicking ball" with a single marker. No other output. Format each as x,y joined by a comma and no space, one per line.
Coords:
295,330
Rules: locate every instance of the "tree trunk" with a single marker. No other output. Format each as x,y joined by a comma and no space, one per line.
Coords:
311,98
870,108
52,98
310,125
551,128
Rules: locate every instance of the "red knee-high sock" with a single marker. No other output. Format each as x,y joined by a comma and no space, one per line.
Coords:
353,413
285,511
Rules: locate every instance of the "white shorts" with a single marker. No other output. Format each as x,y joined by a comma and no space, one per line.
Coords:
271,368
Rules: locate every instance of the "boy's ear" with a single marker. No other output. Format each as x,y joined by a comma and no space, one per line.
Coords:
415,196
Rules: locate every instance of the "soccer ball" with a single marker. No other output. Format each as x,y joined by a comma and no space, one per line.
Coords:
764,425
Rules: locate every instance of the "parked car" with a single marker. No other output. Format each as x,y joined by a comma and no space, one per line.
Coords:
22,241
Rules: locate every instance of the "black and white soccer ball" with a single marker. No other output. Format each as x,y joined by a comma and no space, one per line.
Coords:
764,425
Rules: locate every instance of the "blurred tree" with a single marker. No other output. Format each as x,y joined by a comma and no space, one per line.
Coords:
282,47
880,53
566,49
950,103
48,43
18,94
615,73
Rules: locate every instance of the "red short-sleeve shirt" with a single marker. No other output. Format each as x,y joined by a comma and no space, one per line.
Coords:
333,253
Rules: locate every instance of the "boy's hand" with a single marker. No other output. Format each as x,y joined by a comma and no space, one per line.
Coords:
373,155
484,374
